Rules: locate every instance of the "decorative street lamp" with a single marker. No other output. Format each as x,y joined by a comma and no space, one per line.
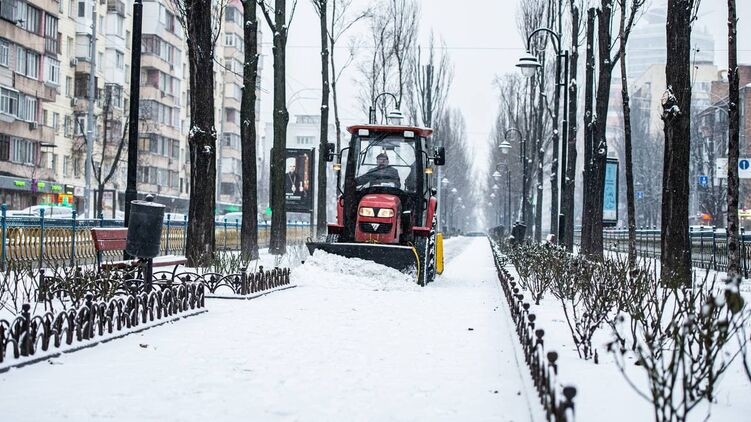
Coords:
395,114
505,147
528,64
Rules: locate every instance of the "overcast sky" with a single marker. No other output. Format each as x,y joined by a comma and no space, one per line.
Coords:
482,42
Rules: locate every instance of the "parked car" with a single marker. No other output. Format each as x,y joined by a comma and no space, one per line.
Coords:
175,217
231,218
50,211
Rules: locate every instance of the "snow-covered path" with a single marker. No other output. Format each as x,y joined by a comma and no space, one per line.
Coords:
336,347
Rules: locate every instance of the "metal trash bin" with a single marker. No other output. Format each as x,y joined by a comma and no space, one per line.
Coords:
144,228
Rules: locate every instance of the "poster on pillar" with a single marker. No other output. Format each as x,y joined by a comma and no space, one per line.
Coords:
610,194
298,180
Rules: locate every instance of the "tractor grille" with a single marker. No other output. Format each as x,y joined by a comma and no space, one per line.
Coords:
379,228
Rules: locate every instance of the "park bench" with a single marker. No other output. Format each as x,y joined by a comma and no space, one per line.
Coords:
115,239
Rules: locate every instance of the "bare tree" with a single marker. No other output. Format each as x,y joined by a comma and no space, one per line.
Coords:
248,135
734,257
592,223
341,21
676,103
103,168
280,28
623,32
433,81
567,200
321,7
201,20
393,34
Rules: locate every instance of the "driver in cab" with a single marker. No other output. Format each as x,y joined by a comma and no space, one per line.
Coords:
381,175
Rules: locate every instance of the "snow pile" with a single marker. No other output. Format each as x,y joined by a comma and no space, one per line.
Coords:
331,271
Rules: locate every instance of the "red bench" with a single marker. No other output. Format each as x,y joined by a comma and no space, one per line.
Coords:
115,239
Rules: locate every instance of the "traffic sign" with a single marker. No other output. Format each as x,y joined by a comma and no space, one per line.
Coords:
639,195
744,168
703,181
743,164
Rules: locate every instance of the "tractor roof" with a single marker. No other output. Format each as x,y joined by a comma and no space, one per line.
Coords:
419,131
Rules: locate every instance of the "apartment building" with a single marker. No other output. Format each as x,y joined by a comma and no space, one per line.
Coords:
49,49
29,78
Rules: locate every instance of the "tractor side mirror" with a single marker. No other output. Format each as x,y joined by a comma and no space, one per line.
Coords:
440,157
330,151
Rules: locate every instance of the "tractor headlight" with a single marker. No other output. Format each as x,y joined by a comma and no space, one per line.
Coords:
385,213
367,212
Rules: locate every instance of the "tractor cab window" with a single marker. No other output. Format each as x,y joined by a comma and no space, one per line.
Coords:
386,161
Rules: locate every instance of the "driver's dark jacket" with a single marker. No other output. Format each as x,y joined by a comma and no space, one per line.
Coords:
378,175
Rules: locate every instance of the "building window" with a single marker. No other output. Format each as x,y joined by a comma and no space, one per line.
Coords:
305,140
8,102
4,46
52,70
81,9
20,60
66,165
4,147
8,10
32,64
119,59
23,151
51,36
76,167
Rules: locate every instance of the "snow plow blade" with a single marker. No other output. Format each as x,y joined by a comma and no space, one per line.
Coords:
402,258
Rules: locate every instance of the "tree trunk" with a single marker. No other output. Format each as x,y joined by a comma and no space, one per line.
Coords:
249,229
324,137
589,122
600,144
734,257
570,175
278,239
675,242
631,211
199,245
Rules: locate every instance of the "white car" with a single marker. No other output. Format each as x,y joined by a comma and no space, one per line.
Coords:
175,217
50,211
231,218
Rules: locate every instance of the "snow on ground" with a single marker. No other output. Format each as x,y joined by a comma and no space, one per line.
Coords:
368,346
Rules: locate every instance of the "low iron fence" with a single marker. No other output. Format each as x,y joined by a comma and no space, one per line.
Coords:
100,304
557,402
709,246
27,335
42,241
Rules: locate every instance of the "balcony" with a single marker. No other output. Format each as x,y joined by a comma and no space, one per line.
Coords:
116,6
34,87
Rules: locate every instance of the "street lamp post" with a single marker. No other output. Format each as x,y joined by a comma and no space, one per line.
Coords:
528,63
505,146
131,192
443,186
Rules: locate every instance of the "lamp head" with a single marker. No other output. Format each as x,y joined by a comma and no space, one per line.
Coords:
528,64
505,146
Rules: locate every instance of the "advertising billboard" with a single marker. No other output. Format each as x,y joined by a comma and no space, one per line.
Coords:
298,180
610,194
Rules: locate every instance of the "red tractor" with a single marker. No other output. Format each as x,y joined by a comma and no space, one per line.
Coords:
386,211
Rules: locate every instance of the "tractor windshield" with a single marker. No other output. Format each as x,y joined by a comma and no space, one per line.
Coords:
386,160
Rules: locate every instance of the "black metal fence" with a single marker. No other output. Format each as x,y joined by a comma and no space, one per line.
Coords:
27,335
709,246
42,241
558,403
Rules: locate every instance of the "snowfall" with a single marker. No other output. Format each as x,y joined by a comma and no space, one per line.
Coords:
351,341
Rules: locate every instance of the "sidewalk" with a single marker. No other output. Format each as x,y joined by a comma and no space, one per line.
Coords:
333,350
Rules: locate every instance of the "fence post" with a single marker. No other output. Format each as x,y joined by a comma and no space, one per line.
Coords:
714,248
41,237
73,241
166,246
3,210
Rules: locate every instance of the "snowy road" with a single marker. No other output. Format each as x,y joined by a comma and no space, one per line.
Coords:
337,347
